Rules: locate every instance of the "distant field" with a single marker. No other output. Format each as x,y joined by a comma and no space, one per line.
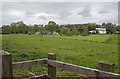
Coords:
91,37
84,51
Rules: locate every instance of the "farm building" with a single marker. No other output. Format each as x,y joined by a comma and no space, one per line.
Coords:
55,33
117,30
98,31
37,32
101,30
92,31
46,32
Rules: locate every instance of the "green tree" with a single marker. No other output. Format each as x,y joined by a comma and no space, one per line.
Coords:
22,28
36,28
80,29
0,30
85,31
13,28
110,27
103,24
5,29
41,30
65,30
74,31
52,26
31,28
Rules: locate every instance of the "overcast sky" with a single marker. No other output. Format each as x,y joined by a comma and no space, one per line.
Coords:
60,12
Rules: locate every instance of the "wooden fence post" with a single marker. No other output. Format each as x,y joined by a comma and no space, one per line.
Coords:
109,38
51,69
106,66
6,71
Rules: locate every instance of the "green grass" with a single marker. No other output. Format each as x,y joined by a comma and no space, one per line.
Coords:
114,40
91,37
84,51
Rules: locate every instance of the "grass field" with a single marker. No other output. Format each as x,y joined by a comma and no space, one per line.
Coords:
80,50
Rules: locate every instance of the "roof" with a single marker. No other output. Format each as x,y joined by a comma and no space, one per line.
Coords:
103,29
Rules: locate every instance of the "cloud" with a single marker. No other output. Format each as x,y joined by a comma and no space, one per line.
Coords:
85,12
104,11
60,0
65,14
29,12
42,17
60,12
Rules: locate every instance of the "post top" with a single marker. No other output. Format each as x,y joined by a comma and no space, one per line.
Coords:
107,62
51,53
4,53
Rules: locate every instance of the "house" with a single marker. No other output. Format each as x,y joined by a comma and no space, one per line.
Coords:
46,32
117,30
98,31
42,32
37,32
54,33
101,30
92,31
49,33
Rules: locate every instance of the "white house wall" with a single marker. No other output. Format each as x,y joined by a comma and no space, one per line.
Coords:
102,32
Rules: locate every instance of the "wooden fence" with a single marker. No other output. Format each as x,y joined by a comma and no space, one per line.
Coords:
8,67
109,38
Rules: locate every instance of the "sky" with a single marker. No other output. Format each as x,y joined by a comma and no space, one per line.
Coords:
69,12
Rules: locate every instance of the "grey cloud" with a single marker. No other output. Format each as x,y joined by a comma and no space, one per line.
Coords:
59,1
119,13
107,7
104,11
62,12
42,18
29,12
6,19
65,14
85,12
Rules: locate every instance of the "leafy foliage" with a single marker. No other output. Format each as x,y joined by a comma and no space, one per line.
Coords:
68,29
65,30
52,26
74,31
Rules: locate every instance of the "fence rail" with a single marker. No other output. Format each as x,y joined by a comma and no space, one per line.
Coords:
109,38
80,69
8,66
24,64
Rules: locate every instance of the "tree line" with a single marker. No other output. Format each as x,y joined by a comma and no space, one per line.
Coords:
68,29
